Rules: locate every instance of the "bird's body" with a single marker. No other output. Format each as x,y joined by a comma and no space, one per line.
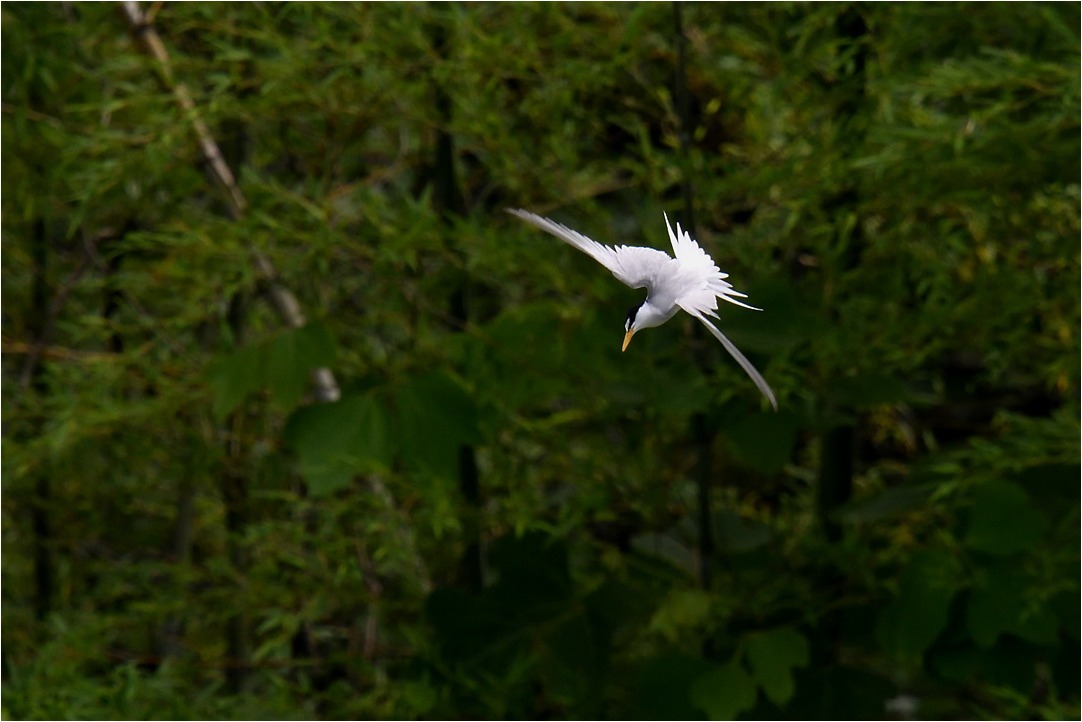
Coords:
688,280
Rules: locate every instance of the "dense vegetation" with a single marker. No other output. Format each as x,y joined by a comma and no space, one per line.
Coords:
481,508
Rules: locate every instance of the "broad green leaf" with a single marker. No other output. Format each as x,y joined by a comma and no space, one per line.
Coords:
435,418
282,364
290,358
232,377
1003,602
772,656
1002,520
286,375
681,610
337,440
911,621
724,692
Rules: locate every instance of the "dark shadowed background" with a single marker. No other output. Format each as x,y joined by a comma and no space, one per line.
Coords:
298,423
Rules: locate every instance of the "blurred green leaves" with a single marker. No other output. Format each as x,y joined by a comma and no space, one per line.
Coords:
434,416
1002,520
910,622
336,441
724,692
422,422
902,201
281,365
768,661
1003,601
773,655
764,441
532,614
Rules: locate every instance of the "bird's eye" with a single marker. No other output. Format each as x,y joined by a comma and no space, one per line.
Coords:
631,316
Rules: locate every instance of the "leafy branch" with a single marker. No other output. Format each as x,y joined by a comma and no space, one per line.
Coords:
281,298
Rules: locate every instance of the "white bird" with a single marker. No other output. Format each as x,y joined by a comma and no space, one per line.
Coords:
691,281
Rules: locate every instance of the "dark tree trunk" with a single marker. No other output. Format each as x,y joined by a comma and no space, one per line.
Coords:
701,433
450,202
836,469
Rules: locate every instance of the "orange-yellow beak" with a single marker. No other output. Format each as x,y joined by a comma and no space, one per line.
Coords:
627,339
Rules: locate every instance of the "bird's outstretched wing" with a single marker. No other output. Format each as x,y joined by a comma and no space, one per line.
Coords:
705,281
735,353
633,265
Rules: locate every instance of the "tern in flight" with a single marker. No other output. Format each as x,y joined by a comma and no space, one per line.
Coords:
691,281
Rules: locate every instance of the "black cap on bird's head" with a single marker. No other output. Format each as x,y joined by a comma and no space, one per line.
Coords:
629,323
631,315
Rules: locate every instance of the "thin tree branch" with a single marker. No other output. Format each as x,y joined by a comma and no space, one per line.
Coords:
281,298
142,25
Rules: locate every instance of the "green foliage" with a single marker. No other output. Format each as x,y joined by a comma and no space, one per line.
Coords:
499,517
909,624
724,692
773,655
1002,520
335,441
423,422
281,364
435,417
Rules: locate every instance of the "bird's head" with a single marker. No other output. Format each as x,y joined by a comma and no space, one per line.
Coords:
644,315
